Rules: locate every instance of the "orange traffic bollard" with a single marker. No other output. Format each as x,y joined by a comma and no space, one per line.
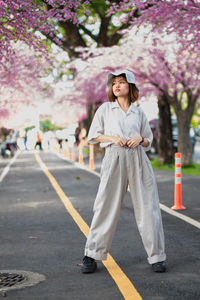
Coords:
91,157
81,162
63,150
55,146
73,157
67,150
178,184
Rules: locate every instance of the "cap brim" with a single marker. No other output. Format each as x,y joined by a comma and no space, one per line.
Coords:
117,73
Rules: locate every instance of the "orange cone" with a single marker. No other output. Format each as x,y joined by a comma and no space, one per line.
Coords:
178,184
81,162
91,157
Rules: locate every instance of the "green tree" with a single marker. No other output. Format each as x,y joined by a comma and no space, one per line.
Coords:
95,27
47,125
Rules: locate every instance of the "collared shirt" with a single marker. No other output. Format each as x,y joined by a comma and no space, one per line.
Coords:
110,119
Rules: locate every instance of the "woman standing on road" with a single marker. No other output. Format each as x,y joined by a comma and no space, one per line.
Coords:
123,129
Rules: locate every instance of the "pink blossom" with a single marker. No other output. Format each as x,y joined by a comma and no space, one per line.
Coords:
2,4
16,6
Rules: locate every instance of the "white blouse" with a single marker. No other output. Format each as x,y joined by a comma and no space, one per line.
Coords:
110,119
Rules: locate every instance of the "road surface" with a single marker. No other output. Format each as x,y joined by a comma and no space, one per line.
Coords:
42,232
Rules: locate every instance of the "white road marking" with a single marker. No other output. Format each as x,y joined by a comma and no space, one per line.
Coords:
180,216
7,168
162,206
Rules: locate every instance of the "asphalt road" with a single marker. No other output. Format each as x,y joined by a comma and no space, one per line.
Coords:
38,234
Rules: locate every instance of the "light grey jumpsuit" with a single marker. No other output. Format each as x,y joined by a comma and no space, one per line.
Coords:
123,166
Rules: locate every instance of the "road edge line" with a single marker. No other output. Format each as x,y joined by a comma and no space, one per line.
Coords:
180,216
7,167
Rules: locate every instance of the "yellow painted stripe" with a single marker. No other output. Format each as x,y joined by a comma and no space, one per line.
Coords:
124,284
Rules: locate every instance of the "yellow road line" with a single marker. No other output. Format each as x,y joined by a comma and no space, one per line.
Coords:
124,284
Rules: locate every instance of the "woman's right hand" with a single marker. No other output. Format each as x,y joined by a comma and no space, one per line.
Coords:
119,141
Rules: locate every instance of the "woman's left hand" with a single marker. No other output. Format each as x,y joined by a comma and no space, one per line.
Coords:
134,142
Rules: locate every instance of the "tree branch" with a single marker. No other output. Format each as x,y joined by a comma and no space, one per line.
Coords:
88,32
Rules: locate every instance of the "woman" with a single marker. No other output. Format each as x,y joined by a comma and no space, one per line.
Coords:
123,129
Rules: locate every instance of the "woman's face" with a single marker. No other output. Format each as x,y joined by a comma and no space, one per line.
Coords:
120,87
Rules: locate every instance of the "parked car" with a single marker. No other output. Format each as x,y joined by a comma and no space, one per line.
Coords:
154,127
197,135
175,135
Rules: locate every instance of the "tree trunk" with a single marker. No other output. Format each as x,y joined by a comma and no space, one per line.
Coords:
165,143
184,143
92,107
91,111
184,119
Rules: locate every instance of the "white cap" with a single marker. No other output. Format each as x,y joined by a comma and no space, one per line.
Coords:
129,76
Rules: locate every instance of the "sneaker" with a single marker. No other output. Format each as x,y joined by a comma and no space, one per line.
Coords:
159,267
89,265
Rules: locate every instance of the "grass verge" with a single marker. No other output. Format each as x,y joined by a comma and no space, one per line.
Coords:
193,170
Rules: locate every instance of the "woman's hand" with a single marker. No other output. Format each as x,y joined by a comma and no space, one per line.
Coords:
134,142
119,141
110,138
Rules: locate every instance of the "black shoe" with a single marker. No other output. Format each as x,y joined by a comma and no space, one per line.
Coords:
159,267
89,265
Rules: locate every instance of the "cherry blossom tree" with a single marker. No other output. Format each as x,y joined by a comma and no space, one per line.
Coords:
176,81
20,81
26,20
22,19
167,16
68,24
182,19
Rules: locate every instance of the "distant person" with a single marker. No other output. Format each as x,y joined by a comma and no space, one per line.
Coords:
46,140
13,139
59,137
82,137
77,136
25,140
124,131
39,140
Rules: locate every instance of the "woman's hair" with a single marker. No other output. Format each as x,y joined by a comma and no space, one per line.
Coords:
133,91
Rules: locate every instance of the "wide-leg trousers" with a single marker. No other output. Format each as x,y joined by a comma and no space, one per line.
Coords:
123,166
